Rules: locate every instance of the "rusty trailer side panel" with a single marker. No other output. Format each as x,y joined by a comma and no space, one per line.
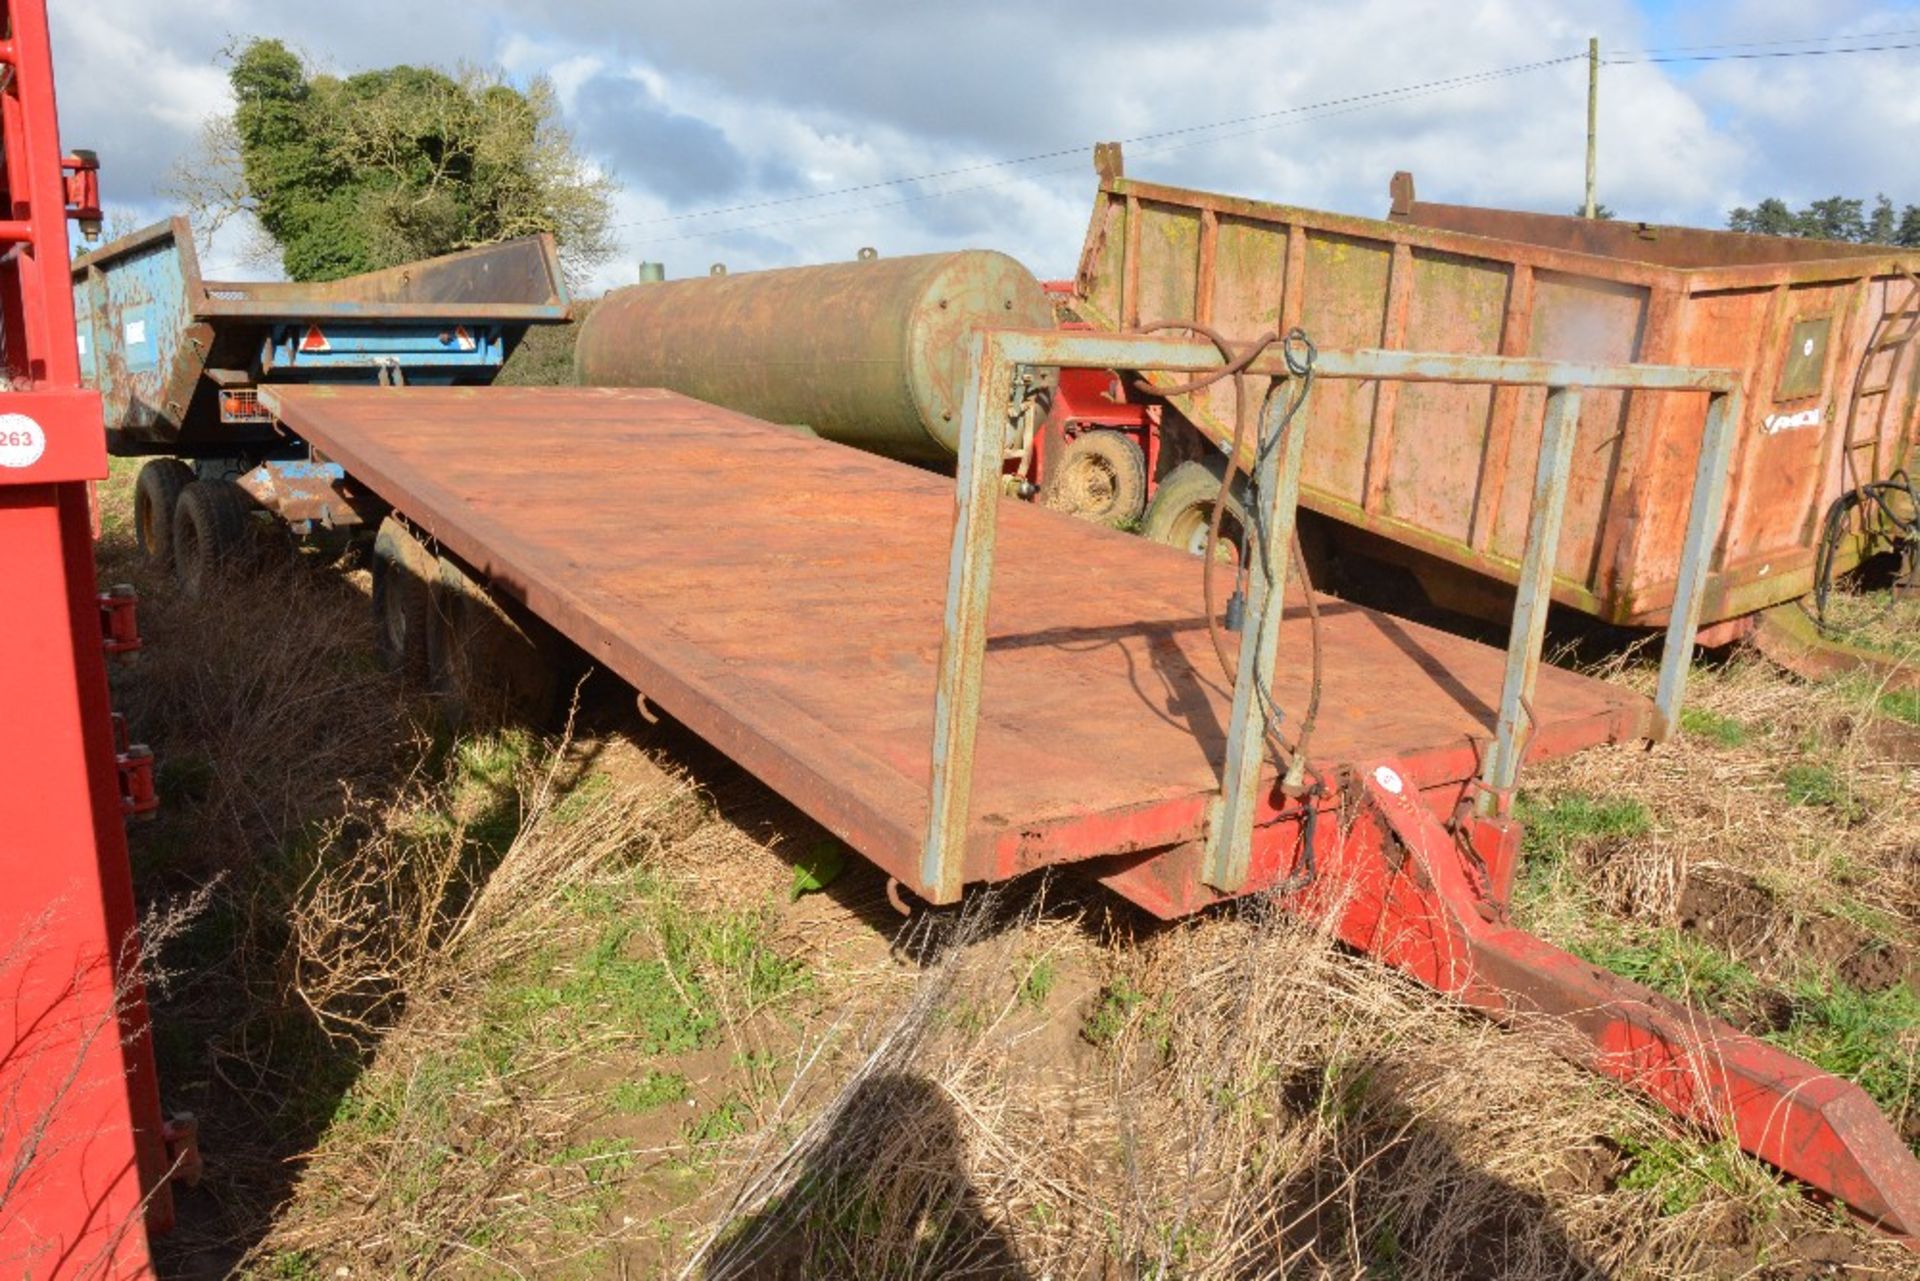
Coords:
804,642
1817,331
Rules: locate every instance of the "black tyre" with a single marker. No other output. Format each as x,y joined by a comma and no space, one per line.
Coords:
156,493
1100,476
403,574
485,669
211,533
1183,506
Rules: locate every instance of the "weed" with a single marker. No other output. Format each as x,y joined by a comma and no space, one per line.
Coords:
1722,731
1110,1011
1810,784
718,1124
1561,832
1680,1174
818,868
292,1265
737,945
600,1159
1816,786
655,1089
1039,982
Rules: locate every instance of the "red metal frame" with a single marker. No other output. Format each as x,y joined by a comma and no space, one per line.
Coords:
79,1102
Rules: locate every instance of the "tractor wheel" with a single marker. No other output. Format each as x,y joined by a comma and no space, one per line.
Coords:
403,576
1100,476
1182,508
156,492
484,668
210,533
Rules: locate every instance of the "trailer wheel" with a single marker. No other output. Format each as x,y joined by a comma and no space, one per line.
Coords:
1100,476
156,492
210,533
403,575
484,668
1182,509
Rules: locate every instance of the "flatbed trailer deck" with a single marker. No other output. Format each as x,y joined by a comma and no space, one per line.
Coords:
783,597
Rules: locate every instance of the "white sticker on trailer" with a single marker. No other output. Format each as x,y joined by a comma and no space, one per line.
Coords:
21,441
1789,422
136,332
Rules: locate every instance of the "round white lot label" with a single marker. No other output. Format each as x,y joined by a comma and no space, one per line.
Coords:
21,441
1388,780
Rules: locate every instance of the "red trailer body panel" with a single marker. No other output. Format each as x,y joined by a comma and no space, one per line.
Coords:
81,1153
1826,336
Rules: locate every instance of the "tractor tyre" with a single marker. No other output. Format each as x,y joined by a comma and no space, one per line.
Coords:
1101,476
1182,508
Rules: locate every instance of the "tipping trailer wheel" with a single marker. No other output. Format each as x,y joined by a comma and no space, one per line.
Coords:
484,668
210,533
1100,476
404,571
1182,509
156,493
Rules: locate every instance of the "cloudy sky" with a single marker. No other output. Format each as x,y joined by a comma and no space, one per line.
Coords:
736,129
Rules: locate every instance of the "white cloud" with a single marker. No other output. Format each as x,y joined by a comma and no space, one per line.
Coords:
702,106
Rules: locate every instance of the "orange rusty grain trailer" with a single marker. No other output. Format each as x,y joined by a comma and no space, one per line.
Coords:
1438,477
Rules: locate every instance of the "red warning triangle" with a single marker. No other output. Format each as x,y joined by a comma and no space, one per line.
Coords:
314,340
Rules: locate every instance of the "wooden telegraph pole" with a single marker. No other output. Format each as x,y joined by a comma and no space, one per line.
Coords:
1593,114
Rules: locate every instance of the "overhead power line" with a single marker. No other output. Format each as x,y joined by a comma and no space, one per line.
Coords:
1269,120
1760,54
1361,99
1776,44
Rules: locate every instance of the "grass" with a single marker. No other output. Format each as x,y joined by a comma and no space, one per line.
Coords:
654,1090
1901,705
1721,731
1679,1175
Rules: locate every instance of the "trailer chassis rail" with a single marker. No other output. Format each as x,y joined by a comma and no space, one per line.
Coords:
1426,896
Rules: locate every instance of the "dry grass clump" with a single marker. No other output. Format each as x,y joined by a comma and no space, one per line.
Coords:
516,1011
261,707
1237,1098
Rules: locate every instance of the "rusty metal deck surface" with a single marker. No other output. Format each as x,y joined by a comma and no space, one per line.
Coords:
782,596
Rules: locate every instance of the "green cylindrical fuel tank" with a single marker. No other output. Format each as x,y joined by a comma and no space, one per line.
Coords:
871,353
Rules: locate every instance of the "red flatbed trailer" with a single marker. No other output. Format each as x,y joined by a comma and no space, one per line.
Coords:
784,597
798,627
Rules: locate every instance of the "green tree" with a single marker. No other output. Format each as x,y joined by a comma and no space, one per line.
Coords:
1835,218
383,167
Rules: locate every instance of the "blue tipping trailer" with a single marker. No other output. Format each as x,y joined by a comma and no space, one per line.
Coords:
179,361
